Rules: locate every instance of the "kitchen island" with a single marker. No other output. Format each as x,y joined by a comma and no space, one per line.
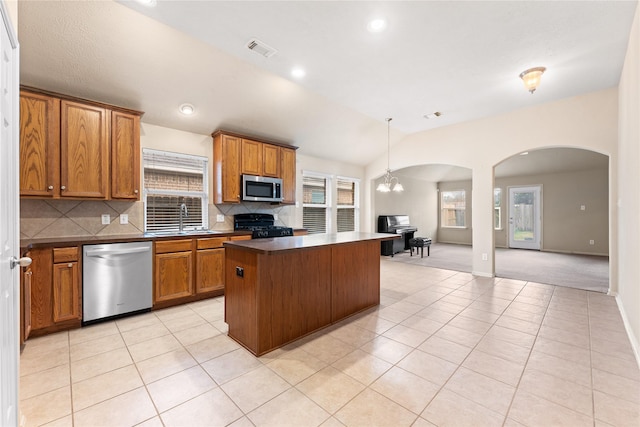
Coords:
281,289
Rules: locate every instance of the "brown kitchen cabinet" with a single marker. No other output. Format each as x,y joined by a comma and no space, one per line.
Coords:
234,155
55,295
209,265
251,154
226,168
84,151
173,270
125,156
288,172
271,160
39,145
77,149
25,302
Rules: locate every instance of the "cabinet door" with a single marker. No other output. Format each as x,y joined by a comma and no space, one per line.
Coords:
25,305
39,145
125,156
271,160
251,157
173,276
209,270
84,150
288,165
66,292
226,169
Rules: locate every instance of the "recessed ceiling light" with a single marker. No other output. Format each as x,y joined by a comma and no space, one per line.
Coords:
433,115
148,3
377,25
187,109
298,73
524,153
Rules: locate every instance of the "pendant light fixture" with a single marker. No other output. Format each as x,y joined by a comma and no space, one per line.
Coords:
390,182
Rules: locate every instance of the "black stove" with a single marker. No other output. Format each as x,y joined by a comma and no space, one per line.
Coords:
260,225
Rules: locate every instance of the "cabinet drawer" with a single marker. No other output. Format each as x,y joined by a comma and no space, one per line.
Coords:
247,237
211,243
65,254
173,246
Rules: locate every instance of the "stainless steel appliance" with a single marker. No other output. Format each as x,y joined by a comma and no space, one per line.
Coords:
260,225
116,279
396,224
261,189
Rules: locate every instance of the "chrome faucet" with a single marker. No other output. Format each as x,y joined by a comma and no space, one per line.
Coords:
183,209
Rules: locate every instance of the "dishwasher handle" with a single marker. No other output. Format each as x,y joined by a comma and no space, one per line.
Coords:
102,252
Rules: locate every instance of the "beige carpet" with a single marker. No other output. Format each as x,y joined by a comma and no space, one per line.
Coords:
575,271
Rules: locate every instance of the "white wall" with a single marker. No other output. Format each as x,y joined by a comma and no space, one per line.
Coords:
628,242
587,121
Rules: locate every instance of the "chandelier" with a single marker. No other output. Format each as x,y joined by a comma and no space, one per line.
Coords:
390,183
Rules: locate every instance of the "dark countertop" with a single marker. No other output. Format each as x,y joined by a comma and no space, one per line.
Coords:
120,238
283,244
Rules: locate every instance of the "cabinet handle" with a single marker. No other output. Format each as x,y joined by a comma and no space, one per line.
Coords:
63,188
50,187
135,191
69,265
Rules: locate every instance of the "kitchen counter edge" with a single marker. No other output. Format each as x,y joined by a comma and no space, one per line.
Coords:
292,243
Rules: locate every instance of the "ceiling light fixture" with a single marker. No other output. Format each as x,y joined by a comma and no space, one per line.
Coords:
298,73
148,3
531,78
524,153
433,115
376,25
187,109
388,184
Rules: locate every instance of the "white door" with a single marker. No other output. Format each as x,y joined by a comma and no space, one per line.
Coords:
525,221
9,214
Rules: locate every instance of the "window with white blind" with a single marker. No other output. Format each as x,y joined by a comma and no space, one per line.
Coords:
172,180
316,202
347,208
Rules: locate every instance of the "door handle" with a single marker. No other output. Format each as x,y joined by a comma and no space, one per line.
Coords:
22,262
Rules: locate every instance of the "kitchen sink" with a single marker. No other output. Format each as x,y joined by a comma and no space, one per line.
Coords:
181,233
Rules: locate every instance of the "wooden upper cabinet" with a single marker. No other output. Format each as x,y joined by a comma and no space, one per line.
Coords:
271,160
39,145
77,149
226,168
288,165
251,157
84,151
125,156
234,155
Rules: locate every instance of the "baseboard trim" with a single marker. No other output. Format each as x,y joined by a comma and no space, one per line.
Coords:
483,274
635,345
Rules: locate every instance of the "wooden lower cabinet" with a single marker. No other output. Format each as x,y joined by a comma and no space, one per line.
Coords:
25,303
66,289
53,291
209,270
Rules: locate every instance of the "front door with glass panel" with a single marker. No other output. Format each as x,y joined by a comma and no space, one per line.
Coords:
524,217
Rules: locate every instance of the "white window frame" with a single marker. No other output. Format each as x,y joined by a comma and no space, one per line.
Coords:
328,197
204,195
442,208
356,201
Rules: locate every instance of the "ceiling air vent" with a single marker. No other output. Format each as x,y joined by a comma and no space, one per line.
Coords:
260,47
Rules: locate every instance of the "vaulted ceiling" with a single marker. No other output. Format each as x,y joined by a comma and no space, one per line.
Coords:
459,58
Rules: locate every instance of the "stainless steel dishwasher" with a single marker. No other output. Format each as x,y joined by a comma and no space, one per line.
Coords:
116,279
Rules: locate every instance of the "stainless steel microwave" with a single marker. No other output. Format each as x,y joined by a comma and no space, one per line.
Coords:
261,189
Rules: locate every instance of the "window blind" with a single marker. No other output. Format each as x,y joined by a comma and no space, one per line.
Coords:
315,220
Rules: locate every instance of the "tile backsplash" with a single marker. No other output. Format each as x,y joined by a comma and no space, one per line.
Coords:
68,218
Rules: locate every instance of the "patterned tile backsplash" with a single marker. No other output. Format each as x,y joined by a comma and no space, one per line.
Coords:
66,218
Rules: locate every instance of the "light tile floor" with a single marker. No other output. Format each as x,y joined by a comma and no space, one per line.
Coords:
444,348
